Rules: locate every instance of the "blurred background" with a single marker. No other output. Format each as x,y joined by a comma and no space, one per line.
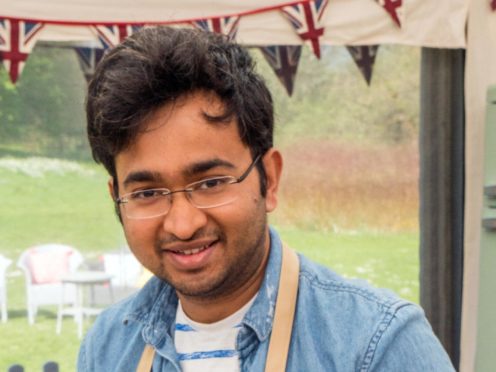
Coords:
349,195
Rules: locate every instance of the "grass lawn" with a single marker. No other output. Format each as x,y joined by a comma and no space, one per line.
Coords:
51,201
387,260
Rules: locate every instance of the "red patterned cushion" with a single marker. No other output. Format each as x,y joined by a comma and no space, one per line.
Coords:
48,266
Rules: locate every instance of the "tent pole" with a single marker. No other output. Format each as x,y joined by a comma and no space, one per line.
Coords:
442,122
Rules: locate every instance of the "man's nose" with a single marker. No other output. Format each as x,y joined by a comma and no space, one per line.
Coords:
183,218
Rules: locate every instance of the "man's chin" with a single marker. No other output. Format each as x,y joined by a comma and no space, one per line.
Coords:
200,289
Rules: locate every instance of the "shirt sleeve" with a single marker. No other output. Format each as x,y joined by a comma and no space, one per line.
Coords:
405,342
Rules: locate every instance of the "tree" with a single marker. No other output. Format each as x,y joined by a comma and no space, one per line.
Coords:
43,114
332,100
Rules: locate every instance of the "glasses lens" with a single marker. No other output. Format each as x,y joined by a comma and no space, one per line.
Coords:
147,203
213,192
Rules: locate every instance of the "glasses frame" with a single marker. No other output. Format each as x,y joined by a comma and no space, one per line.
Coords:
188,190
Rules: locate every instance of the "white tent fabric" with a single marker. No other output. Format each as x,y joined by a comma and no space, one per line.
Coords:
439,23
480,73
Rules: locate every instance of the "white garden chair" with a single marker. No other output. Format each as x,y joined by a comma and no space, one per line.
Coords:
124,268
43,267
4,263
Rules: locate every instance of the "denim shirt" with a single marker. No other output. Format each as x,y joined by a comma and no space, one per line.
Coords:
340,325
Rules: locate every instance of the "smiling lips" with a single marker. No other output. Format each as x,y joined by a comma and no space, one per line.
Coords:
190,248
191,251
190,256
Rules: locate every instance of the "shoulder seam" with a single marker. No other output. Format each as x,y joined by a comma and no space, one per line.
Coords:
377,335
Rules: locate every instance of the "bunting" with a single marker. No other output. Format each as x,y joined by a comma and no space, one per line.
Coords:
305,17
493,5
284,61
222,25
112,35
364,57
395,9
88,59
17,40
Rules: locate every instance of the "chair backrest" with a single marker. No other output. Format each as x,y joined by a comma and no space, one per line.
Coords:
47,263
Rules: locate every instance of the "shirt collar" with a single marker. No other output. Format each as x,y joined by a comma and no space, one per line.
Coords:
261,314
155,307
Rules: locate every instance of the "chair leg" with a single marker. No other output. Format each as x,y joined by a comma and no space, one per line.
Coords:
31,313
60,310
59,321
4,311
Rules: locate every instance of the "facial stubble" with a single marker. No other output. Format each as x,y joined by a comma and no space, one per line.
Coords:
243,257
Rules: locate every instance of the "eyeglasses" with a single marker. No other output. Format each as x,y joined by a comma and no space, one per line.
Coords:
207,193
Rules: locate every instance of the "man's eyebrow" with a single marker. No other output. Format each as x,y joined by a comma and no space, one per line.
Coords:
190,171
141,176
203,166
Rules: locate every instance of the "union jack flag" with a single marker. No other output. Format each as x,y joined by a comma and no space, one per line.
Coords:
394,8
88,59
17,40
305,18
222,25
110,36
364,57
284,61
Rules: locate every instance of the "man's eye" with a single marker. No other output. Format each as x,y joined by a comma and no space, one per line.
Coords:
212,184
147,194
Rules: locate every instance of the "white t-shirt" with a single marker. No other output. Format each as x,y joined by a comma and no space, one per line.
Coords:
208,347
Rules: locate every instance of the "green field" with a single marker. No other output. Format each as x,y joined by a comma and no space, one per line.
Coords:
47,200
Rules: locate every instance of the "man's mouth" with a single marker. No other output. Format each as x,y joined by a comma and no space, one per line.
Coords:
189,252
191,255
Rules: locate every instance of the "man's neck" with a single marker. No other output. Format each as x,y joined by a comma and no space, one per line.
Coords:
207,310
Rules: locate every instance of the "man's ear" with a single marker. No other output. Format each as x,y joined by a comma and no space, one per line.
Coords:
112,192
272,161
111,188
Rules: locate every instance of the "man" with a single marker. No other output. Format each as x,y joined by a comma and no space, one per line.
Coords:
184,126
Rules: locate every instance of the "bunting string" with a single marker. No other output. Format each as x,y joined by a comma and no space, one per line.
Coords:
18,37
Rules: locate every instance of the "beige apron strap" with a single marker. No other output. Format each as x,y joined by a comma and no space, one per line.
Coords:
284,312
146,361
283,318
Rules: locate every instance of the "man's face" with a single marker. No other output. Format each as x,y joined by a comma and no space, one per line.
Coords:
200,252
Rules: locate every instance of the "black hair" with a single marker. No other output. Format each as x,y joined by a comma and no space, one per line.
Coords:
158,65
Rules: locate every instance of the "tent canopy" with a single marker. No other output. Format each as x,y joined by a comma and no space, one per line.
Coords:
439,23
